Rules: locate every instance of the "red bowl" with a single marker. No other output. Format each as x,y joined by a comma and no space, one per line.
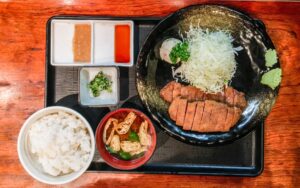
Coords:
118,163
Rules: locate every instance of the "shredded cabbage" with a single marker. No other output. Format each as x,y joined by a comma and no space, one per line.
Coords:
211,64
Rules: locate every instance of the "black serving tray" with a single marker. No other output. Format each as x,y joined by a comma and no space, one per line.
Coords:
243,157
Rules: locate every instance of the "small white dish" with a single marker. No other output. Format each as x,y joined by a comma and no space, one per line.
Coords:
32,166
106,98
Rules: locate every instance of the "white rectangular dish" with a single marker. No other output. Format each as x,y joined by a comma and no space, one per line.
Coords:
103,51
86,98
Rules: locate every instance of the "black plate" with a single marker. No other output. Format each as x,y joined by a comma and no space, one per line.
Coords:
153,74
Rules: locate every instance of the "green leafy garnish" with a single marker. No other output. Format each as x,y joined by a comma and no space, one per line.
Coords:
100,83
270,57
180,52
272,78
110,150
124,155
133,136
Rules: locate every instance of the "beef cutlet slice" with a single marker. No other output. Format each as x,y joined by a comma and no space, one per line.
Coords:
181,112
189,116
205,123
177,90
240,100
198,116
229,96
173,109
166,92
218,117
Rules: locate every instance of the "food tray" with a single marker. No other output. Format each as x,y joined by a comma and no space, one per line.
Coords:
244,157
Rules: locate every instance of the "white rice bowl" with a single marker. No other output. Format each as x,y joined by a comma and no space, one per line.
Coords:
56,145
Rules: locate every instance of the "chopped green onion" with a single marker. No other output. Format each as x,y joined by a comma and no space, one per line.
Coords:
180,52
100,83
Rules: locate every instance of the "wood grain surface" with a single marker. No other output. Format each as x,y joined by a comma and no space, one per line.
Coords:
22,65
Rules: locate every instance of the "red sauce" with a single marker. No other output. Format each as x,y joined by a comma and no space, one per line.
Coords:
120,116
122,43
124,137
136,124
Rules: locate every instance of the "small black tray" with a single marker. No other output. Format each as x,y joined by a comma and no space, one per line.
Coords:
244,157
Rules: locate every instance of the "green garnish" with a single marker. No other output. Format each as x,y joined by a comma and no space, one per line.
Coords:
180,52
133,136
110,150
270,57
124,155
100,83
272,78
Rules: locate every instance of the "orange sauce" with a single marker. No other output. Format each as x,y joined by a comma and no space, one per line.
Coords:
122,43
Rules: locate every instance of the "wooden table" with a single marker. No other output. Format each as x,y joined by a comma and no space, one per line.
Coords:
22,60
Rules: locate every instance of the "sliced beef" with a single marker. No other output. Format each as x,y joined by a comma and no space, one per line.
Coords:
218,117
229,119
200,95
173,109
240,100
189,116
205,124
176,90
167,92
235,98
203,112
233,117
236,116
184,92
182,104
198,116
192,93
219,97
229,96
